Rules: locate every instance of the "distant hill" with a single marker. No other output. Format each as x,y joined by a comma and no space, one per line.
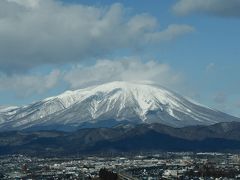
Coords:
123,138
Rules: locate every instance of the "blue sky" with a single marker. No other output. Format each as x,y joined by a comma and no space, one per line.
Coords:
190,46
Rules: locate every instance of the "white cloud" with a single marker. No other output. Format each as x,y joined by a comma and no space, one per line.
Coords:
129,69
226,102
26,3
237,104
25,85
222,8
210,67
220,98
35,32
171,32
103,71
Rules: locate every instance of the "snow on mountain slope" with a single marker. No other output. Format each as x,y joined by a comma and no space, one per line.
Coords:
118,101
4,109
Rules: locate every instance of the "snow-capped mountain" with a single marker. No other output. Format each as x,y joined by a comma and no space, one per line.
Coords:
110,103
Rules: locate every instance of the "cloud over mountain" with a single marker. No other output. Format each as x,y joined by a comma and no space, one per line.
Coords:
128,69
103,71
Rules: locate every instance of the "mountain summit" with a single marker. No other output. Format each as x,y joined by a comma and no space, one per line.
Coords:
108,105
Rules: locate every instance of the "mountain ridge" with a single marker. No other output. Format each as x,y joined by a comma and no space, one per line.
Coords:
115,102
123,139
